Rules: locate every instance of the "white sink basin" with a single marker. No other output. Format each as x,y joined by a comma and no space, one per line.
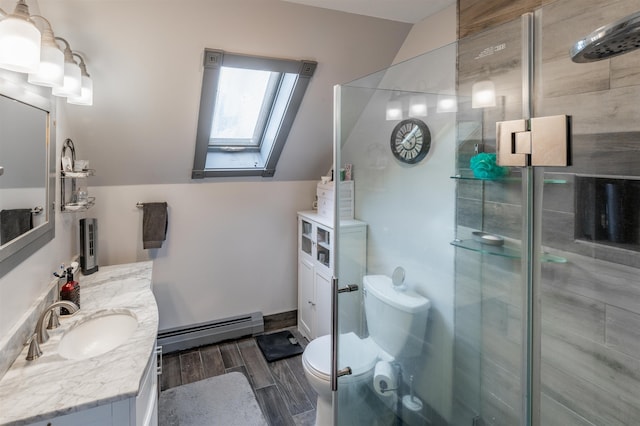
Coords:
97,335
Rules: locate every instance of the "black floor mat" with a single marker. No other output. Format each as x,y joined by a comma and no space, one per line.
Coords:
278,345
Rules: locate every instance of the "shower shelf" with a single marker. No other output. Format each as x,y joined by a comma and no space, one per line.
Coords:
504,251
470,176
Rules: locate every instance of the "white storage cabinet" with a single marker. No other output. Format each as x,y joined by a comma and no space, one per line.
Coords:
316,267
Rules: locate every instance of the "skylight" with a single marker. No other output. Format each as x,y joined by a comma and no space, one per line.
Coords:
247,107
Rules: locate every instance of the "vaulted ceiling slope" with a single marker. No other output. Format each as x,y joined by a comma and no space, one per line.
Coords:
411,11
146,62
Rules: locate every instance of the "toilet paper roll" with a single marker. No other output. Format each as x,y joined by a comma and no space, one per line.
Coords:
384,378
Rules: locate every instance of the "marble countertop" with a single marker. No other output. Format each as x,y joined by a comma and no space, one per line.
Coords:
51,385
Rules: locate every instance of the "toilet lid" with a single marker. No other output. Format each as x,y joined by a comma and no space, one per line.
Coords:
317,356
359,354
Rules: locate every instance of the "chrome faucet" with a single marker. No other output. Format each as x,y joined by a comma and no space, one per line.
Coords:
40,334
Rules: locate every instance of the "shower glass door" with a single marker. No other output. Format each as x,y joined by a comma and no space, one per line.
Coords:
464,360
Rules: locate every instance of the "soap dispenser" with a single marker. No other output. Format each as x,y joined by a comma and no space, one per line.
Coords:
70,291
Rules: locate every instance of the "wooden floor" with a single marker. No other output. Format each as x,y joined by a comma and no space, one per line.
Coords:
280,387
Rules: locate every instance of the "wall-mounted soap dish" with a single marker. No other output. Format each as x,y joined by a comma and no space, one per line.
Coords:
490,239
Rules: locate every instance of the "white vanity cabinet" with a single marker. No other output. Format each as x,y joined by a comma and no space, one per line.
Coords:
141,410
316,257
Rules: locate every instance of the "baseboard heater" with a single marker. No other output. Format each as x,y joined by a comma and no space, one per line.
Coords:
181,338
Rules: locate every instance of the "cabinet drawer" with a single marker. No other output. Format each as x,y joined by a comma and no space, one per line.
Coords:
324,192
325,206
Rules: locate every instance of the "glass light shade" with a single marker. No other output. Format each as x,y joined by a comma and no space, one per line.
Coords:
447,104
72,81
483,94
51,71
394,110
19,45
418,106
86,96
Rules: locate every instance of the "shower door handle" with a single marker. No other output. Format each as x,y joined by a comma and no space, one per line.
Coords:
345,372
348,289
335,373
334,334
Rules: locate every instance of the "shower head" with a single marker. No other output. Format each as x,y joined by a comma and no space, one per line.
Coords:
608,41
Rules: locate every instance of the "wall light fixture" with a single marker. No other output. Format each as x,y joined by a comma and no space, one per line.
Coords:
19,40
51,70
72,75
25,49
86,91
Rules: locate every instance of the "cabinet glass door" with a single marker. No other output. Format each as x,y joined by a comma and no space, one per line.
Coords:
323,240
306,243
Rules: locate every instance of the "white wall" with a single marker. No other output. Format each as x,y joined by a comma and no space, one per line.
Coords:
231,246
145,59
146,56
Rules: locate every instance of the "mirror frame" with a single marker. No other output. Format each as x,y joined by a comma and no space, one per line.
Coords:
15,86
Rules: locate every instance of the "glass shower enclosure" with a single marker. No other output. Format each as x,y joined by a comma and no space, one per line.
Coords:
531,273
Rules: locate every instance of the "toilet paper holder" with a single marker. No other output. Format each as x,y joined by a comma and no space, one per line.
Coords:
387,377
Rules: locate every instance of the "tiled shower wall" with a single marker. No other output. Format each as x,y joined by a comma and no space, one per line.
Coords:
591,304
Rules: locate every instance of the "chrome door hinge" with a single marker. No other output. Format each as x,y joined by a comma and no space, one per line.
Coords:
540,141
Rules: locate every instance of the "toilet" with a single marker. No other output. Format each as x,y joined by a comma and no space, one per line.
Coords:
396,320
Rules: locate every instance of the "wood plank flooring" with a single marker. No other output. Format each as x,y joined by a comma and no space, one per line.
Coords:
280,387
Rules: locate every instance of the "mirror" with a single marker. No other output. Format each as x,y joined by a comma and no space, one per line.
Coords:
27,169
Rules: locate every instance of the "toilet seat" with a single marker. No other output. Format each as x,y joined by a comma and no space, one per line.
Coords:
359,354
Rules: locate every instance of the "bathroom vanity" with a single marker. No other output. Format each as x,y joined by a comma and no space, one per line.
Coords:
316,259
77,386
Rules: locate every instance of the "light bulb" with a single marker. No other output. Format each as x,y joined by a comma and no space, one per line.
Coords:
418,106
394,110
483,94
51,71
447,103
72,85
86,93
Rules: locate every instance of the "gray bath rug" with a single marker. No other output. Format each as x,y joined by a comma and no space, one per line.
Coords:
225,400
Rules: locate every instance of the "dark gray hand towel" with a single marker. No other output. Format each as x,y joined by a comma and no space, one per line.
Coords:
154,224
13,223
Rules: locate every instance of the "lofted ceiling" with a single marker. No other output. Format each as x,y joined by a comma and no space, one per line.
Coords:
410,11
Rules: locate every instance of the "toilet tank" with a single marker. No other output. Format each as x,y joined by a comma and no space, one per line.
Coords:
396,319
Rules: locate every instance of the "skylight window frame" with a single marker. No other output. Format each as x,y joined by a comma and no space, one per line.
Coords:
258,161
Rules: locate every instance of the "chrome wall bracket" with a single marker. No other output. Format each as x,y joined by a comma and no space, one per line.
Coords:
540,141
